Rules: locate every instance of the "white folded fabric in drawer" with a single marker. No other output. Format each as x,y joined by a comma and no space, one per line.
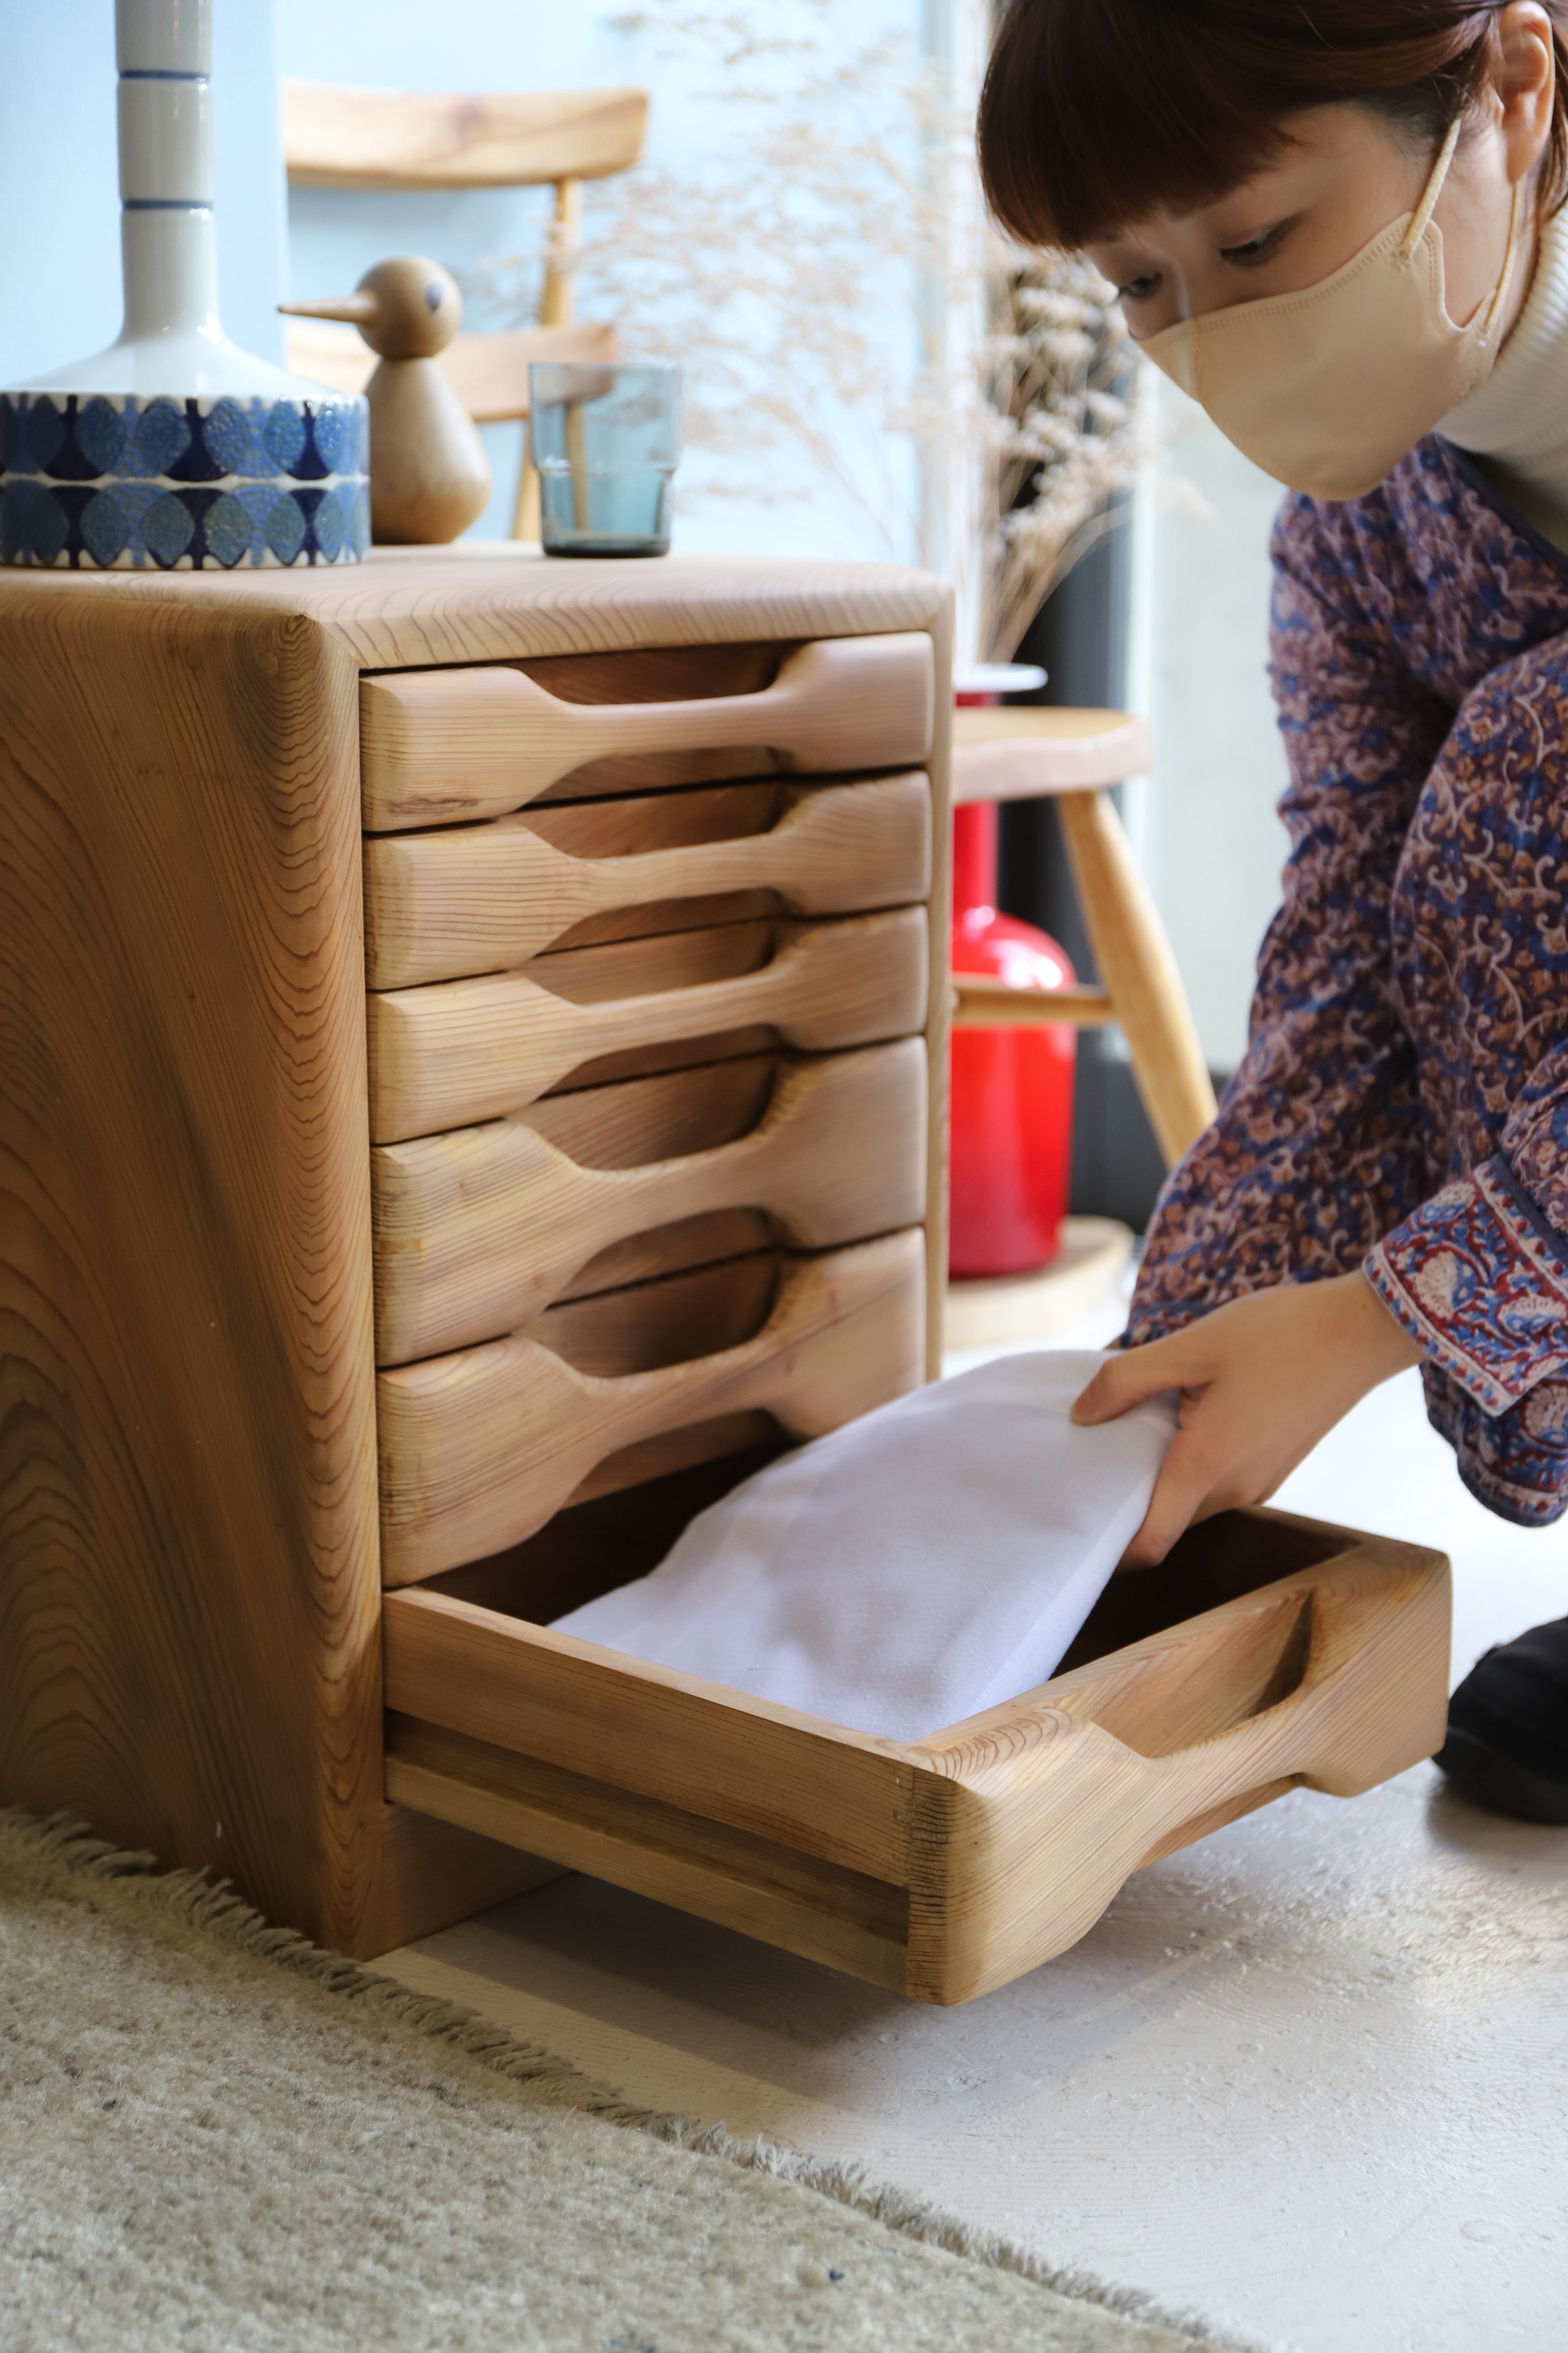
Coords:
923,1562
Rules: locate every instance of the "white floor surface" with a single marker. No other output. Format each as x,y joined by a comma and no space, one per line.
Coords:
1310,2076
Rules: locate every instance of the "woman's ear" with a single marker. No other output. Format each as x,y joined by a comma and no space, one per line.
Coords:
1525,82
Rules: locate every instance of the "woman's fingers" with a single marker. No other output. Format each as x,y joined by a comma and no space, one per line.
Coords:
1260,1379
1136,1374
1188,1480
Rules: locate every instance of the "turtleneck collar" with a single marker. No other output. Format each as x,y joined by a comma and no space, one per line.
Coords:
1522,407
1516,422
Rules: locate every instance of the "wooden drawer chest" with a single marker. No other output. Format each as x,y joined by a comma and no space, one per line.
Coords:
636,863
471,1087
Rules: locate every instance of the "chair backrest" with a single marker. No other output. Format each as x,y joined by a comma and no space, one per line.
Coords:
488,372
335,136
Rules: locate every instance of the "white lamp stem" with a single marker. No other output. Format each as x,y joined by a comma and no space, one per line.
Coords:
168,241
172,447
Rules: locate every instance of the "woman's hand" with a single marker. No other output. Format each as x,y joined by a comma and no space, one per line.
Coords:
1261,1380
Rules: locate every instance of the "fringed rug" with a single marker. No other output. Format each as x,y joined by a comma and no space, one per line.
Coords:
216,2136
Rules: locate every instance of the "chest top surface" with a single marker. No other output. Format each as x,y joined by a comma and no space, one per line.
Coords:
489,601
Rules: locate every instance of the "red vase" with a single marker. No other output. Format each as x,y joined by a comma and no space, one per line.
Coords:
1012,1087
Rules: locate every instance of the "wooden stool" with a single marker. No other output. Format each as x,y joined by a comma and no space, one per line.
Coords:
1075,756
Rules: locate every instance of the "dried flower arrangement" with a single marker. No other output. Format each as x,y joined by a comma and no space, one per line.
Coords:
843,311
1064,428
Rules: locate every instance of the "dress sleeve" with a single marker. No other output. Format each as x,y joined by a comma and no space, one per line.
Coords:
1479,1274
1316,1148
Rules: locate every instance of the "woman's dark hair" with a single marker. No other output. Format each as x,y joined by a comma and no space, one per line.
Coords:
1096,112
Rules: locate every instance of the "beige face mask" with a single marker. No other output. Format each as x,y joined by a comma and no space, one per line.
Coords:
1327,388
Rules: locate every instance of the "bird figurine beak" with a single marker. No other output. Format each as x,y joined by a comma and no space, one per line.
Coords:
358,309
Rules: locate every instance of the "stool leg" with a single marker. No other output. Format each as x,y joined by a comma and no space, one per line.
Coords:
557,307
525,520
1139,972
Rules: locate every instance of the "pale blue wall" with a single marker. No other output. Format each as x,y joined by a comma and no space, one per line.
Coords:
60,201
59,213
480,45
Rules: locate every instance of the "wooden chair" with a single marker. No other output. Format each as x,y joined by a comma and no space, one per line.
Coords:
336,137
1075,756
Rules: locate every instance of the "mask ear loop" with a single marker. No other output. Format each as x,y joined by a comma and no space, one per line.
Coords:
1509,257
1434,189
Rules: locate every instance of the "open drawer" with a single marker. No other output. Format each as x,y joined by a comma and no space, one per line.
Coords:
1268,1651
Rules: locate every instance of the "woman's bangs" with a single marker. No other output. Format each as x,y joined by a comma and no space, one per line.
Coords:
1094,117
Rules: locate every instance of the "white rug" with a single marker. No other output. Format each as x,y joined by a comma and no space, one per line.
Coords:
213,2136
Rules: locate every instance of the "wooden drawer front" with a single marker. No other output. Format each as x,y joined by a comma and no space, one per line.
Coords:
1268,1651
479,1449
670,1737
480,1230
456,1051
632,1122
477,899
444,746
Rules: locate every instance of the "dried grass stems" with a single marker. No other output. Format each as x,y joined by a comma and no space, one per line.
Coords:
1064,427
822,271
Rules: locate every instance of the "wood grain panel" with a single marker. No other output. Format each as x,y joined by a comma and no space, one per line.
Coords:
664,1118
188,1555
478,1231
820,1910
1036,1813
479,899
663,672
637,1121
1022,1822
457,1051
696,1445
628,1125
432,1873
698,1313
838,1795
669,1250
338,136
479,1449
1020,752
186,1538
443,748
492,601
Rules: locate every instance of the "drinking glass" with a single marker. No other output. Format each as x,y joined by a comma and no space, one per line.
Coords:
607,440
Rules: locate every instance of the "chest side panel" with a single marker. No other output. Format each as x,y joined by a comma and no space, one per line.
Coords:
187,1479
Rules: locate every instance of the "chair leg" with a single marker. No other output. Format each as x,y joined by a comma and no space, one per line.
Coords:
525,520
557,307
1139,972
557,299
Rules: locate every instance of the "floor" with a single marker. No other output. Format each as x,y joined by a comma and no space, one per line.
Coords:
1308,2076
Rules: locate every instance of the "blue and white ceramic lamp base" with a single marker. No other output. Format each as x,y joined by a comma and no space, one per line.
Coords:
118,480
173,448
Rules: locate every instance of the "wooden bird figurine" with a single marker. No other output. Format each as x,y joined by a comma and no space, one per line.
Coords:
429,476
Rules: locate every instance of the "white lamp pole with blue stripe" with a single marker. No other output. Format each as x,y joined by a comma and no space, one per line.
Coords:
174,448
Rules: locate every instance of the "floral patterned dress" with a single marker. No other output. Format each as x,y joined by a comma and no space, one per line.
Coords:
1403,1105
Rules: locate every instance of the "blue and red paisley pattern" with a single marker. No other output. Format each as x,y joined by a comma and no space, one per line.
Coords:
1403,1104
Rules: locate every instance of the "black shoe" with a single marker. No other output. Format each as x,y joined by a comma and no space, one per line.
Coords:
1507,1728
